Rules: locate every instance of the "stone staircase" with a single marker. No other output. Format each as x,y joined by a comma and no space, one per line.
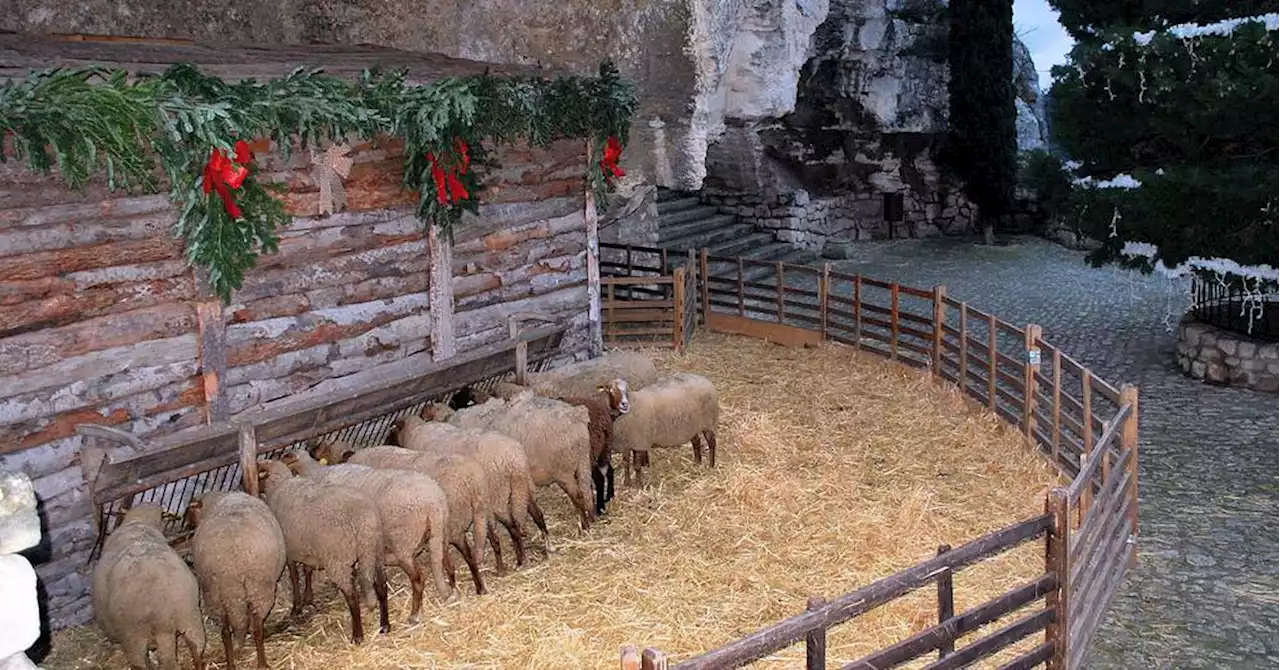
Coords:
684,223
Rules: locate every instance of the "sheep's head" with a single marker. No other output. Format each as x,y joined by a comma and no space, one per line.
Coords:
403,426
195,509
145,514
272,472
619,400
331,451
436,411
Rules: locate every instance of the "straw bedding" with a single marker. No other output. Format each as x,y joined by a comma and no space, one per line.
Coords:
834,469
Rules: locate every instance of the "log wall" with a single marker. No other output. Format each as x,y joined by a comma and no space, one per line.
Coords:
101,321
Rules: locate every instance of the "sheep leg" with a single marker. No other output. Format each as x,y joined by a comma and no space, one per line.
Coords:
492,533
227,645
259,636
167,651
380,590
541,522
307,595
584,485
479,534
517,539
710,437
465,549
135,651
353,606
697,449
447,563
579,499
438,556
417,586
608,473
295,589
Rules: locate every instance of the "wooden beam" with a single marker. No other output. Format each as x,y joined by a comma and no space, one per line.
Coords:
593,267
440,294
249,458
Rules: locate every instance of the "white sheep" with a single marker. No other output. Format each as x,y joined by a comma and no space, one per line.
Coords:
144,594
238,554
680,408
581,379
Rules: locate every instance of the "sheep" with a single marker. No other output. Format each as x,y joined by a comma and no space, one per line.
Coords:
506,466
144,594
680,408
581,379
238,553
413,511
555,438
334,528
600,417
465,490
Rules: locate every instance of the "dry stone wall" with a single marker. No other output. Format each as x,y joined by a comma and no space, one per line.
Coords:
1220,356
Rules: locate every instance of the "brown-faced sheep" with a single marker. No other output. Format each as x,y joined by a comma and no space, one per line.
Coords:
238,554
506,467
680,408
332,528
413,510
554,435
465,489
144,594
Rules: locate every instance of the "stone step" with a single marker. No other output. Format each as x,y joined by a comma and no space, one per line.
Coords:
670,218
693,226
666,195
715,231
732,248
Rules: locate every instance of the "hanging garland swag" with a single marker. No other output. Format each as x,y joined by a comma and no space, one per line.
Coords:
92,120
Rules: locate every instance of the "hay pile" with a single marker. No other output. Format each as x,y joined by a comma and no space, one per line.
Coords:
834,470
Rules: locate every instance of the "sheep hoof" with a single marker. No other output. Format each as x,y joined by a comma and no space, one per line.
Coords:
413,620
454,596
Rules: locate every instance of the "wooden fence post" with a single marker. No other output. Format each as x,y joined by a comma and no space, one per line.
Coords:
742,300
1086,420
964,347
815,643
1057,403
630,657
522,348
993,352
946,602
653,659
249,458
1057,558
1129,440
211,334
1030,379
939,324
782,292
704,276
857,311
893,322
824,289
679,298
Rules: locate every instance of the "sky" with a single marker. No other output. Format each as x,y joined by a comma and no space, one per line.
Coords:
1036,24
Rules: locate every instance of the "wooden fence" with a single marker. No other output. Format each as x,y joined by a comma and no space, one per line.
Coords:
649,298
1086,427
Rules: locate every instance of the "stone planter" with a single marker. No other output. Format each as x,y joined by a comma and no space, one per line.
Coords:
1219,356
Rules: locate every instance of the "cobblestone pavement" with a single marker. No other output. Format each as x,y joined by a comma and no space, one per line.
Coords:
1205,592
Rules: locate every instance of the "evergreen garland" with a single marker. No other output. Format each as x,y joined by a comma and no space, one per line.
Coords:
82,122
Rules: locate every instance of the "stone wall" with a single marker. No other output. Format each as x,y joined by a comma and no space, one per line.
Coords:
1220,356
19,531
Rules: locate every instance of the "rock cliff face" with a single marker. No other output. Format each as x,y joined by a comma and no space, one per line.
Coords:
1033,131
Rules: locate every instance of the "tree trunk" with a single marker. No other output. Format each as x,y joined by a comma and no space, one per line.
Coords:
988,233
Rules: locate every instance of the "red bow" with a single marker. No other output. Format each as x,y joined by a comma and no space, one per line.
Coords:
612,154
225,174
450,189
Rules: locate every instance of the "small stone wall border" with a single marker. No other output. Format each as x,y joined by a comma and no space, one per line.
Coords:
1219,356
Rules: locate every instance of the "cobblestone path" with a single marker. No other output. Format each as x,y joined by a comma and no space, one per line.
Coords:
1205,592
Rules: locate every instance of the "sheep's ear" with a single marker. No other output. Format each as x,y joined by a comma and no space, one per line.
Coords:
346,455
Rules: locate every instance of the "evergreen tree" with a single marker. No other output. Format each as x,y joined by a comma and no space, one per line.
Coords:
983,145
1173,126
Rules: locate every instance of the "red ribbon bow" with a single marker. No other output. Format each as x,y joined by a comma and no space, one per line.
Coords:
450,189
612,154
224,174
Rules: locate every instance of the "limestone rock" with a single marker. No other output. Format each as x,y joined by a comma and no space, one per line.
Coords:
19,522
20,616
18,662
1030,132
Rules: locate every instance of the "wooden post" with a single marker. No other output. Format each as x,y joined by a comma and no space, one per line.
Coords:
1129,440
939,325
1030,379
946,602
993,352
679,297
522,349
782,292
964,347
596,345
630,657
857,311
211,333
652,659
742,303
893,322
815,643
824,290
1058,561
1057,403
440,294
704,276
249,458
1086,401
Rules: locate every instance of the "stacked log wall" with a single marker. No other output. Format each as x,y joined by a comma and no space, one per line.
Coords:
102,321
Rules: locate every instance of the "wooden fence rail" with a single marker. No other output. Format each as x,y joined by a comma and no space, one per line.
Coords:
1086,427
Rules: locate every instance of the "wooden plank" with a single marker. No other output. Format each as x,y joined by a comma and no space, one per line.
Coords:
679,298
1058,563
789,631
946,603
782,282
1092,461
943,636
705,276
964,344
249,458
1030,372
636,281
993,348
915,292
778,333
642,316
440,294
990,644
303,417
595,327
1101,519
815,643
857,310
1094,618
1057,402
1030,659
1086,410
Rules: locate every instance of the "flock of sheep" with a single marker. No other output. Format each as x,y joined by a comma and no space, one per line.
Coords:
457,469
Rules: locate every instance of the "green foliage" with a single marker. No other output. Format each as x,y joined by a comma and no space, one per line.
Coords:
983,141
85,121
1077,15
1042,173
